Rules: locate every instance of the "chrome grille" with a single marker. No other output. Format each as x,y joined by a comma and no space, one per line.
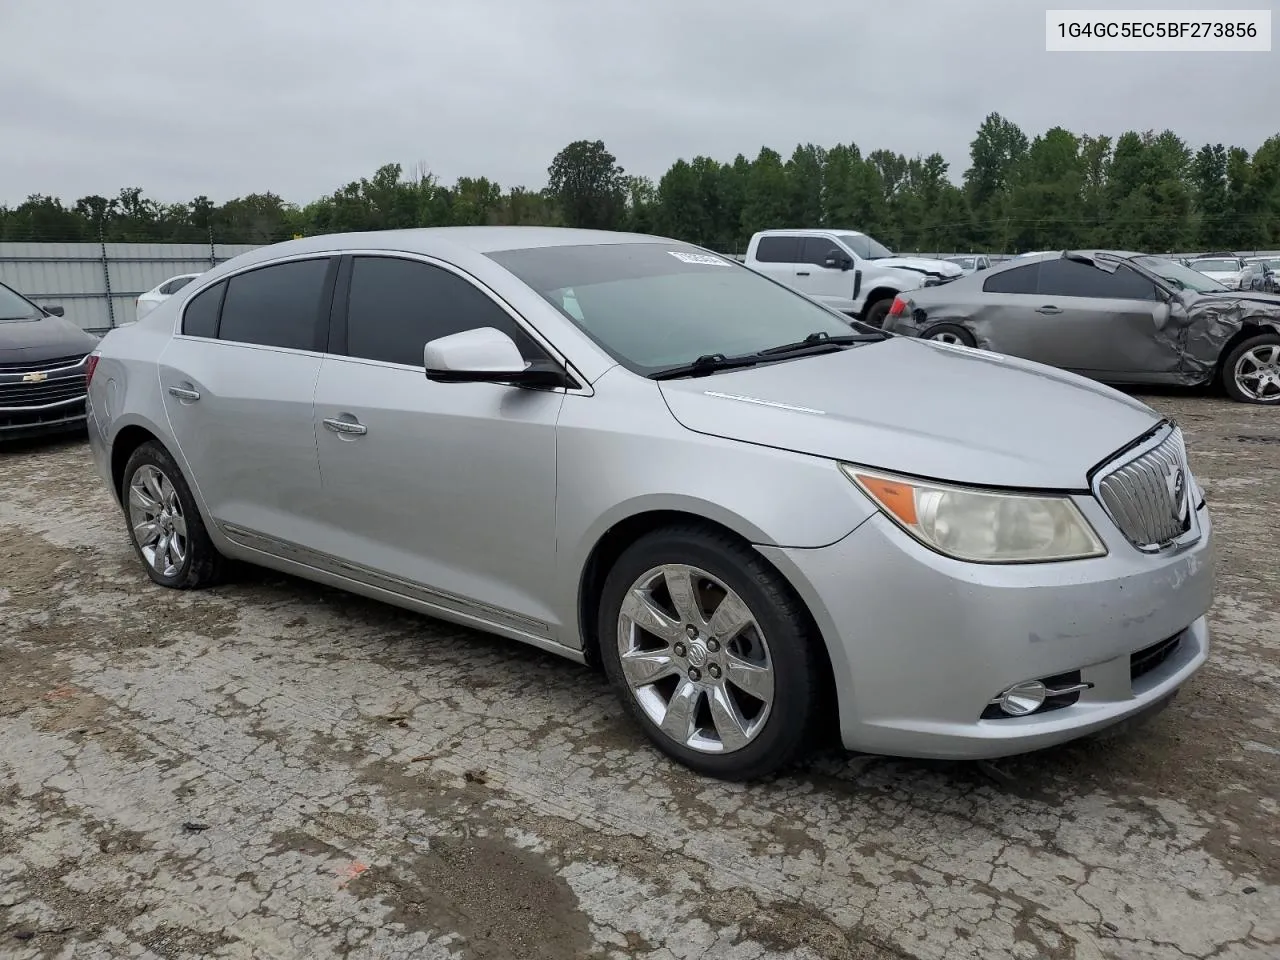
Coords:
1149,497
54,363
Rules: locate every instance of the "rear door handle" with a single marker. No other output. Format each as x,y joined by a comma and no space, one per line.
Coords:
183,393
1048,308
802,273
348,427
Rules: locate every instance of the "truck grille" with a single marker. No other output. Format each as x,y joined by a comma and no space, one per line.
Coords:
1149,497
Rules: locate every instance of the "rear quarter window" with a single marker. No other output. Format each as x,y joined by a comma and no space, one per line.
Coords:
200,319
1016,280
778,250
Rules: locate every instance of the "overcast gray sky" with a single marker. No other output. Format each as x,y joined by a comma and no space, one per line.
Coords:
227,97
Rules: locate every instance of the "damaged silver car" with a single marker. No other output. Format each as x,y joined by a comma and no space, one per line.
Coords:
1117,317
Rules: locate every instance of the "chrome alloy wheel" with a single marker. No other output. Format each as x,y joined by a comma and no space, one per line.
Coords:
946,336
156,520
1257,372
695,659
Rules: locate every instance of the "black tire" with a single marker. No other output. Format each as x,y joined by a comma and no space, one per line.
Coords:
1229,376
787,731
202,565
945,331
874,314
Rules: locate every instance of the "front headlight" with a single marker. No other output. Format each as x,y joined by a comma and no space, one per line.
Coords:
981,526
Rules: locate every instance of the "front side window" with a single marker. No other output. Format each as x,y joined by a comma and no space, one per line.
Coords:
1064,277
277,306
397,306
200,318
652,306
816,250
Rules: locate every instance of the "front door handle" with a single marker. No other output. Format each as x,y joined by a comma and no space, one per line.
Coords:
349,427
1048,308
802,273
183,393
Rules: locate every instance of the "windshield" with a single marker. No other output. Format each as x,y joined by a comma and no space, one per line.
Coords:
652,306
864,246
1180,276
14,307
1216,266
964,263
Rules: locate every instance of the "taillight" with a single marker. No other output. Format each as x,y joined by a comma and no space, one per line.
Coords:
897,308
90,365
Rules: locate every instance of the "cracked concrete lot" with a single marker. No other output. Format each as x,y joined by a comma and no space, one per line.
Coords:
274,769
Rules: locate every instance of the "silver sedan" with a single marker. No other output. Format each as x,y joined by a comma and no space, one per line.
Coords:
635,453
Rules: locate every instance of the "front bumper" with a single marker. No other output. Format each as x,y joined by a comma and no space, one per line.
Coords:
920,643
18,422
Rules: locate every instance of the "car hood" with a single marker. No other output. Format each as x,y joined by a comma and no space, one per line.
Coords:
1251,296
922,265
921,408
48,338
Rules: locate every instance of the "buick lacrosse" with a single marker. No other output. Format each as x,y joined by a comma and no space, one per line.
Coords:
756,517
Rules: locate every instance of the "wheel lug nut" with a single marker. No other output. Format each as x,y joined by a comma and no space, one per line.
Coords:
680,649
714,670
692,631
695,674
713,644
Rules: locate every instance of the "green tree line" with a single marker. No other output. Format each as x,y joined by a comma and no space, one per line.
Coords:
1141,190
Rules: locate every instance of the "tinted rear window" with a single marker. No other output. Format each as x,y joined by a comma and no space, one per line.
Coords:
1071,278
277,306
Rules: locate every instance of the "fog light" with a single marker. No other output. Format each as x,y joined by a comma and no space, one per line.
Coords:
1022,698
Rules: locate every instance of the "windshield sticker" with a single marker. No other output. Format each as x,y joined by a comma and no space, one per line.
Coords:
705,258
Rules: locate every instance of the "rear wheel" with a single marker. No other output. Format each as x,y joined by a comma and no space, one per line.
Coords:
711,653
165,526
951,333
1251,371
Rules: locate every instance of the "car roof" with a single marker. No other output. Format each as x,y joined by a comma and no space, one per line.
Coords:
443,240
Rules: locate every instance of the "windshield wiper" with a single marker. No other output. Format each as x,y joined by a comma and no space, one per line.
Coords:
705,364
823,339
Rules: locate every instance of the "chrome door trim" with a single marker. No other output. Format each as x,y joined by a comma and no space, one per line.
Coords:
482,614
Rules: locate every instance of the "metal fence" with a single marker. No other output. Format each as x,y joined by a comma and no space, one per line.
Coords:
97,283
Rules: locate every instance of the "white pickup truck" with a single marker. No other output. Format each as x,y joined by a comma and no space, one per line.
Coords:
846,270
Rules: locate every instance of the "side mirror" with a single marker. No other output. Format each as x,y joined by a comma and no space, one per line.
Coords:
486,355
54,311
837,261
1160,313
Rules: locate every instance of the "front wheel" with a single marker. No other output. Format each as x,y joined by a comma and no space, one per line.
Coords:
875,314
711,653
1251,371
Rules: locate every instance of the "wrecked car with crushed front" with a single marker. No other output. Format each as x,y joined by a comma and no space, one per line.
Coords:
1117,317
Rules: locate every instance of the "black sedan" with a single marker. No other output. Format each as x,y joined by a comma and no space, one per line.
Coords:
42,368
1117,317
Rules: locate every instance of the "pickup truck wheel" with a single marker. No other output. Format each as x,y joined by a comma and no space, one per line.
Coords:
874,315
950,333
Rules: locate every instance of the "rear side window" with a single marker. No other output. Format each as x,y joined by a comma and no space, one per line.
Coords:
778,250
201,316
1017,280
277,306
397,306
1071,278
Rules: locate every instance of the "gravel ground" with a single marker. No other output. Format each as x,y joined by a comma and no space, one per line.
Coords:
274,769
